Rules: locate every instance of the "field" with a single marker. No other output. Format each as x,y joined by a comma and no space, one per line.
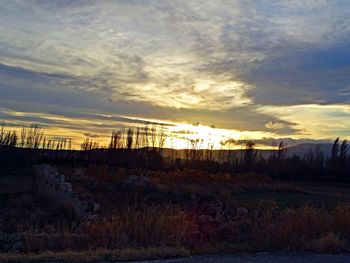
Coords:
181,210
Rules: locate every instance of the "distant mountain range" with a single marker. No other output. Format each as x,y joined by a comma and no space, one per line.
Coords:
299,149
304,148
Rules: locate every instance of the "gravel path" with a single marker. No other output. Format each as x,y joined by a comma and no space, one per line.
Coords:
277,257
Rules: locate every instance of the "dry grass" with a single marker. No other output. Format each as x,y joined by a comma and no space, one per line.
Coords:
188,182
146,227
267,227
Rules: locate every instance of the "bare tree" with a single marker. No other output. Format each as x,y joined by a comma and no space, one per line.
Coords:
2,133
194,153
89,144
161,140
70,144
173,150
23,137
153,137
115,142
145,136
130,137
137,138
44,143
35,136
10,139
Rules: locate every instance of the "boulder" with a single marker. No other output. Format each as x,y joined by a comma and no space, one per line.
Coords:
135,181
242,211
203,219
79,172
18,247
11,243
96,208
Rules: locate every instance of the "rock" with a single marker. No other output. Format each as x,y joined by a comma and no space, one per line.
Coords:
229,213
202,219
79,172
242,211
90,218
66,188
11,243
60,178
96,208
18,247
135,181
52,184
215,208
12,238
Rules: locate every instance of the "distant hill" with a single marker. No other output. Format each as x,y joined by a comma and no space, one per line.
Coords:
304,148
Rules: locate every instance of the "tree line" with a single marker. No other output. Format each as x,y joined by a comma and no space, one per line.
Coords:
144,147
32,137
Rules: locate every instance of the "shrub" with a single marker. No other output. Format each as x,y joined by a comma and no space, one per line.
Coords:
145,227
328,243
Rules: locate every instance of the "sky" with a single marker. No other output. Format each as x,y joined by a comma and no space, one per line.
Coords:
261,70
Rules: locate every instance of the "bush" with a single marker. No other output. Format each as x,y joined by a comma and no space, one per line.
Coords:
329,243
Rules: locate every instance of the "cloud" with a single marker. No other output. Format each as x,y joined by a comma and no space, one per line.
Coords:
130,51
313,120
109,45
228,63
61,100
315,75
91,135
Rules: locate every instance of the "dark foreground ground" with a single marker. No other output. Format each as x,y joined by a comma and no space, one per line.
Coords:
147,214
276,257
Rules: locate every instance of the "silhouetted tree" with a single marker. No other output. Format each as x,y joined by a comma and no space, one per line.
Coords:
89,144
115,142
